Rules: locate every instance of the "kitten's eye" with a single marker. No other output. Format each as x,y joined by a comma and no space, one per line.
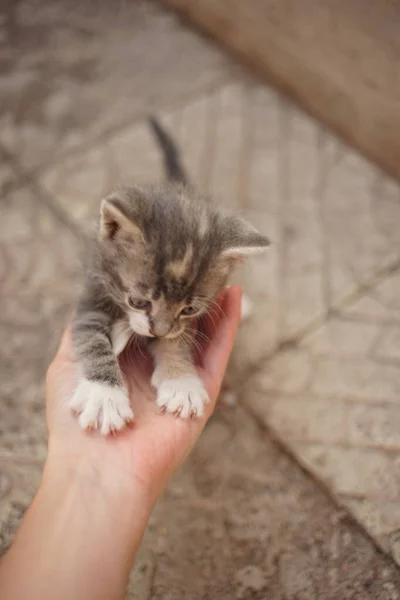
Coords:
188,311
138,303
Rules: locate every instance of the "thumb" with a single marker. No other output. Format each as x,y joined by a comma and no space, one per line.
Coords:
217,354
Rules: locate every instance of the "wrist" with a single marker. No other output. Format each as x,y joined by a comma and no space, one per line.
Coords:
89,474
84,502
107,499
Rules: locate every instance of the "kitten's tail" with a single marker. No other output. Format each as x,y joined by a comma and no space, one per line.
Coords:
172,162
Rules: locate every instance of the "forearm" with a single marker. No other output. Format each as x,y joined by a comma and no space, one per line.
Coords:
77,540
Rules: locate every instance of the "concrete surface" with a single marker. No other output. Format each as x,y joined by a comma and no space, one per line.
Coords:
317,366
338,58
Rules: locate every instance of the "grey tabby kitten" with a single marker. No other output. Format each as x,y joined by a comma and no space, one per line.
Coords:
160,256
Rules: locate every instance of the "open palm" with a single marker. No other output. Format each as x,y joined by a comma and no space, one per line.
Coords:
155,445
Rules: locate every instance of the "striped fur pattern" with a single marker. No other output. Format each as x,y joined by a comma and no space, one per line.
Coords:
158,259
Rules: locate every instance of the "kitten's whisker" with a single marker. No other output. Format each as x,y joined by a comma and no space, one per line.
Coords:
210,305
139,346
203,336
191,341
211,313
187,338
211,302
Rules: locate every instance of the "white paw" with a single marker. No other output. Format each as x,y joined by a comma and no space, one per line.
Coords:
184,397
101,406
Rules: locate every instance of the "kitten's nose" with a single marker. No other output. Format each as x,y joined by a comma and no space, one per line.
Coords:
159,332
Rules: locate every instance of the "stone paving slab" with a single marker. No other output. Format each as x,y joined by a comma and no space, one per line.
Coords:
251,525
19,479
338,58
334,398
38,279
72,71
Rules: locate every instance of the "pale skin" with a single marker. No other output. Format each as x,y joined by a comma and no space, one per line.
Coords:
81,533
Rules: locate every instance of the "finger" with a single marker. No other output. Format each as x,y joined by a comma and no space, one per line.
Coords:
217,354
218,350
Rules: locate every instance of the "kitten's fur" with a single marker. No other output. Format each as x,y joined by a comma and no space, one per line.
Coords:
170,248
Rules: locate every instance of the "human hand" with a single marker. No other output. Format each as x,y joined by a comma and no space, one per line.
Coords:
147,453
86,522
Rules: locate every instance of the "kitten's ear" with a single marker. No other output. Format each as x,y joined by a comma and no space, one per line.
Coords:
115,221
242,240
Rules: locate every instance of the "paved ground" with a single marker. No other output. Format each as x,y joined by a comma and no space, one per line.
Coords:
339,58
318,365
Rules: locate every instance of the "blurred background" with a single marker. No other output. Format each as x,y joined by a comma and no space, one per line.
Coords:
288,112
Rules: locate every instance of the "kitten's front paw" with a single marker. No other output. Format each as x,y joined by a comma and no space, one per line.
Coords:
101,406
184,397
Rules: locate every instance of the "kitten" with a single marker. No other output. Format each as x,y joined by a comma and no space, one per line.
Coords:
160,256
